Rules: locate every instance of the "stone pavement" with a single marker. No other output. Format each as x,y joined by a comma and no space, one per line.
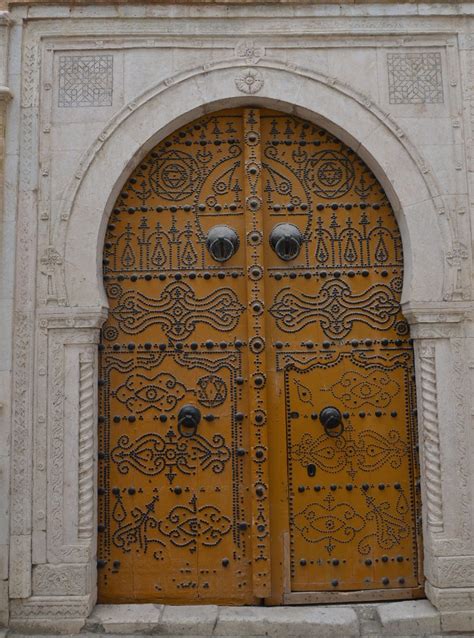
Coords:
312,635
405,619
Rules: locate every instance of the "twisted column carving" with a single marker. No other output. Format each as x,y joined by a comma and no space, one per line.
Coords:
431,447
86,445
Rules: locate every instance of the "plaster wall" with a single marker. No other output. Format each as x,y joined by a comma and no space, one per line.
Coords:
93,89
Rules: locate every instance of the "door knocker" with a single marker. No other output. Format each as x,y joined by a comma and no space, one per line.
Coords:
188,420
222,242
286,240
331,420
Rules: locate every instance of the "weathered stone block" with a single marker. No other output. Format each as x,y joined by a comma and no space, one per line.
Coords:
188,619
281,622
413,617
457,621
124,619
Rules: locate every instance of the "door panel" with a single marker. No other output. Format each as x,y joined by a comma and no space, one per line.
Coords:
339,340
305,315
175,510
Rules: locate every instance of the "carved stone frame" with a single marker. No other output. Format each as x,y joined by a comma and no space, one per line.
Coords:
53,578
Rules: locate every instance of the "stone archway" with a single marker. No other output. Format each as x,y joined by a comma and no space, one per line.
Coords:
71,331
229,336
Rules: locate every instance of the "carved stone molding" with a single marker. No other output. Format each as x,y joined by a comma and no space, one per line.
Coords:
436,321
73,319
23,340
87,399
430,439
20,516
65,614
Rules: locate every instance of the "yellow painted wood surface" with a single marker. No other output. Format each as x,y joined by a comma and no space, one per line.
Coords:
259,346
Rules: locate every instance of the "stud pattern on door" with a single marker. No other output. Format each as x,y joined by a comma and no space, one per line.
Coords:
257,422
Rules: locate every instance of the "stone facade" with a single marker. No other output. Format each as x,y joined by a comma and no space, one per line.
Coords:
94,88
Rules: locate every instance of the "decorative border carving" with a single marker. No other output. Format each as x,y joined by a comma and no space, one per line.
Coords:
23,342
51,607
463,466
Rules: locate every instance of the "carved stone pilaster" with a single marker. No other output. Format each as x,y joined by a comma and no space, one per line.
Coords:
441,344
72,397
86,445
430,438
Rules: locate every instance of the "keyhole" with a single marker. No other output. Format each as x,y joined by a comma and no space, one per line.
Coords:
311,469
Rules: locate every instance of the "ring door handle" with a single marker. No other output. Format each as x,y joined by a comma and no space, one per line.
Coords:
188,420
331,420
222,242
286,240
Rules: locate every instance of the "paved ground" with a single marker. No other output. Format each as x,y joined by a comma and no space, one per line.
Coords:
408,619
89,635
10,634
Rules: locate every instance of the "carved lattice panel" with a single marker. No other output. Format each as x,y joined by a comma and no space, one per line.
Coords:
259,345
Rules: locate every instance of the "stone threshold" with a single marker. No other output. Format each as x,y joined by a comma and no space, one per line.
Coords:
407,619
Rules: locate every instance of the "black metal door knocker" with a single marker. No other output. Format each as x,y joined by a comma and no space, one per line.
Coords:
286,240
188,420
331,420
222,242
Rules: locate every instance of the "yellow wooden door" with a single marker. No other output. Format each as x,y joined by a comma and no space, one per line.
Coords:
253,268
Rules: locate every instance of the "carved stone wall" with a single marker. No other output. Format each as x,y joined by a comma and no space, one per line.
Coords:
6,303
87,107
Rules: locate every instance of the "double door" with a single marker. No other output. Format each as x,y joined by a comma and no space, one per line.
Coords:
257,420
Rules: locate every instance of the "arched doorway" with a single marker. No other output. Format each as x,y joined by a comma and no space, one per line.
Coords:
258,434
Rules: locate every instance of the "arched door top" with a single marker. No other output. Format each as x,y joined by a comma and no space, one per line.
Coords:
163,109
